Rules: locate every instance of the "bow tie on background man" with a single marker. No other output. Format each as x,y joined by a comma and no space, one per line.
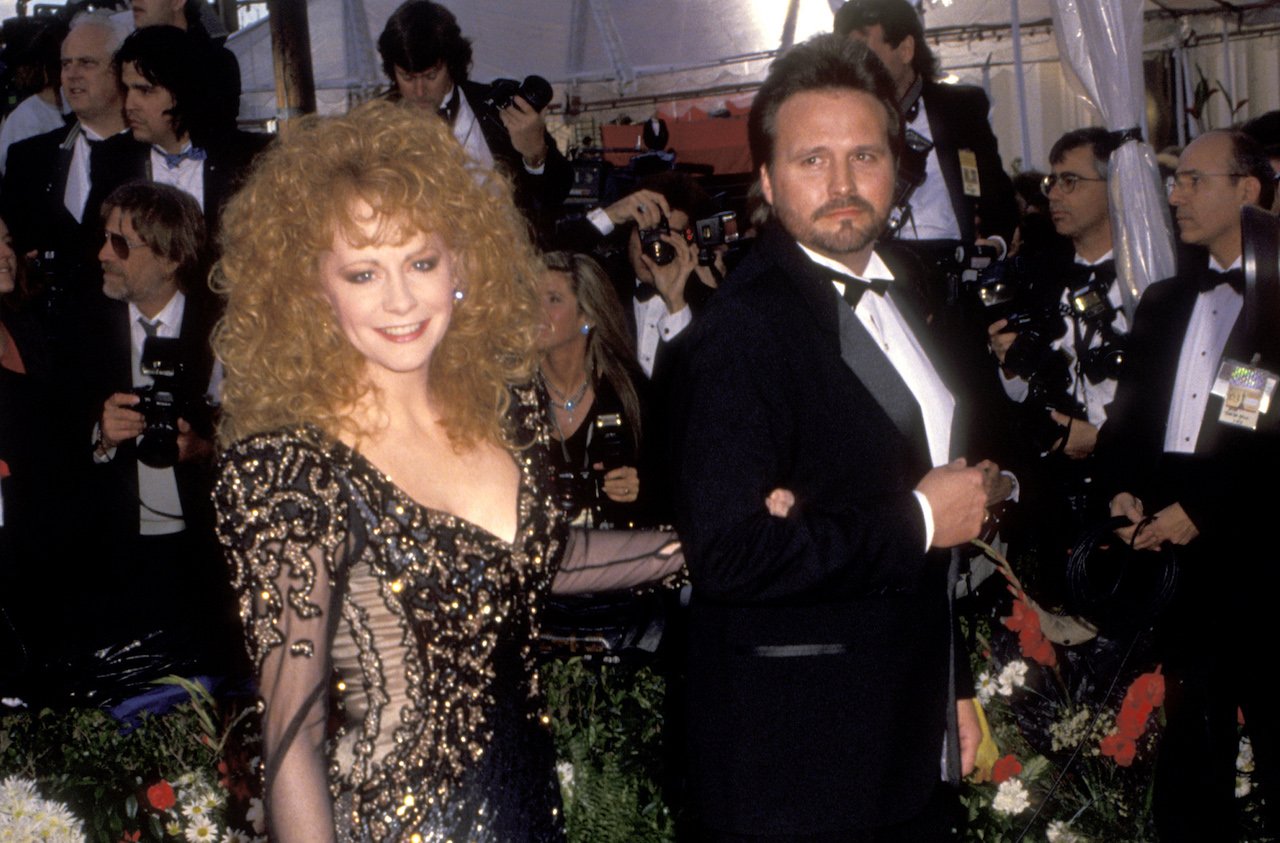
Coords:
1209,279
172,160
644,291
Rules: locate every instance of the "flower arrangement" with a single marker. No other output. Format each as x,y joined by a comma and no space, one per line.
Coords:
184,775
26,815
1070,732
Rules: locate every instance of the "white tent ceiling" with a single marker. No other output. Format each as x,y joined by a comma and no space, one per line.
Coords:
611,56
612,49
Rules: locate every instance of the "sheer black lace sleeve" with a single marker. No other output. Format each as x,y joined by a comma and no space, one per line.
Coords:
283,521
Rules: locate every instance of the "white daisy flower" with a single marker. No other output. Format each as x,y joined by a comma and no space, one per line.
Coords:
201,830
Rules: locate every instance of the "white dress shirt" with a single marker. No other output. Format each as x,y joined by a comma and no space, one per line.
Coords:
188,176
160,507
880,316
932,217
1212,319
76,193
655,325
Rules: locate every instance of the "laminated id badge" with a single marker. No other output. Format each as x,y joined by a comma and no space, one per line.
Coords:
969,173
1245,392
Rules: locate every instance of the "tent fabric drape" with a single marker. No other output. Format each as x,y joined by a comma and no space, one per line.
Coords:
1101,42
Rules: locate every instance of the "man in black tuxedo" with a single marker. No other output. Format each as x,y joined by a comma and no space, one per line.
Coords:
427,60
183,134
55,182
1185,443
156,565
966,182
827,697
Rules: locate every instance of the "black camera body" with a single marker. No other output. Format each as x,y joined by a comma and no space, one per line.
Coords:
162,402
652,243
579,490
534,90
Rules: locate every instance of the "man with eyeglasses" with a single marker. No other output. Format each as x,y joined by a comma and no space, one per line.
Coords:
155,564
1060,359
1192,452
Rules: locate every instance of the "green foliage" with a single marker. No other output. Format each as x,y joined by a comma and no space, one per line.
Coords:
89,761
607,721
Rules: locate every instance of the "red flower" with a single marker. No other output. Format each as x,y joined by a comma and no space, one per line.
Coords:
1119,747
1005,768
160,796
1143,696
1031,640
130,836
4,469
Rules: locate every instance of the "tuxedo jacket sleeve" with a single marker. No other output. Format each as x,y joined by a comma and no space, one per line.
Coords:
958,121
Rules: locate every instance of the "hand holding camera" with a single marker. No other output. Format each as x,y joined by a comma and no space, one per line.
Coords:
646,208
520,108
120,421
669,257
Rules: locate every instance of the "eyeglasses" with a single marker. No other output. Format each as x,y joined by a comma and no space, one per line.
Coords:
120,245
1189,180
1066,181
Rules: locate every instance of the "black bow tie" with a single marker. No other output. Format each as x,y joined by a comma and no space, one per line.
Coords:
855,287
645,291
1211,278
449,111
1104,273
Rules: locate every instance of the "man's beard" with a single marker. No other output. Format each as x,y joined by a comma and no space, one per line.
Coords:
851,236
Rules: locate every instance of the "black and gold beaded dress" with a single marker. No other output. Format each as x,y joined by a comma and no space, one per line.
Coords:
420,625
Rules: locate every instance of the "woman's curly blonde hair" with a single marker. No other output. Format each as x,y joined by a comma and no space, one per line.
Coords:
287,361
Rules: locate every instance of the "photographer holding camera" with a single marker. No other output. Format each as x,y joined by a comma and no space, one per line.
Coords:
1060,346
662,282
500,124
146,370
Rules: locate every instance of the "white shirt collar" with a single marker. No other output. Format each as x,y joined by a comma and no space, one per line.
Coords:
876,269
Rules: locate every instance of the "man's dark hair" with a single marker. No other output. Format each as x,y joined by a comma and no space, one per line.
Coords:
168,220
682,192
173,59
823,63
418,36
1265,129
898,19
1248,158
1099,141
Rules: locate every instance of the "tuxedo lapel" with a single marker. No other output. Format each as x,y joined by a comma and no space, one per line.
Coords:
873,369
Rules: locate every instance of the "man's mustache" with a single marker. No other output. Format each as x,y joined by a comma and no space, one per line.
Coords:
843,202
